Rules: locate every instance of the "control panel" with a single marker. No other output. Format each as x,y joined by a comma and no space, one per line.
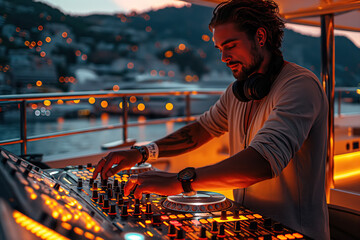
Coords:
68,204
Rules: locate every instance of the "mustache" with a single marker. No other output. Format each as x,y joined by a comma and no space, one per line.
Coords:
232,63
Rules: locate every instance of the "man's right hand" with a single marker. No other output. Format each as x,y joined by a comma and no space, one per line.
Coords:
124,159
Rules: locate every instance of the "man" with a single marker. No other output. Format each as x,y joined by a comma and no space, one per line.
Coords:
276,116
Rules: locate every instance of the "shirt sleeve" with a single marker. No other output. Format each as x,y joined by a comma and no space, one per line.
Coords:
215,120
297,105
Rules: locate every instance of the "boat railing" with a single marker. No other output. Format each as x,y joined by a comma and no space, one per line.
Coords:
340,93
24,99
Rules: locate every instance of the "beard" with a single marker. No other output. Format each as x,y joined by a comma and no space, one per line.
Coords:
245,71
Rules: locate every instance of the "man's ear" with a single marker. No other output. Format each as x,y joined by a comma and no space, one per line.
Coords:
261,36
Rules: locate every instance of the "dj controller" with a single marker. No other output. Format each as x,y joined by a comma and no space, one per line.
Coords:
67,203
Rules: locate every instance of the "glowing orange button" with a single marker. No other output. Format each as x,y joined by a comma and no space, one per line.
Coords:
173,216
297,235
181,216
289,236
189,215
203,221
282,237
148,221
164,217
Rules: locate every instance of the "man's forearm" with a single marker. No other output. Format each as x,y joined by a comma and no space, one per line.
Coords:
240,170
183,140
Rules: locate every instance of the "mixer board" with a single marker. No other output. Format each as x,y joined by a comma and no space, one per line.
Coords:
69,204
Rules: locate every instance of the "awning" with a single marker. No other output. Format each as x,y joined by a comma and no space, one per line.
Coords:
347,12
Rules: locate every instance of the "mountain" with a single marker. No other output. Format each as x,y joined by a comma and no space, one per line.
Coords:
104,38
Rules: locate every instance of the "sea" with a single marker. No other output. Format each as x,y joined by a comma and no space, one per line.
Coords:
88,143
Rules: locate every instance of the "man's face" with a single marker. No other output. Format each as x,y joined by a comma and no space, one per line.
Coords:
240,53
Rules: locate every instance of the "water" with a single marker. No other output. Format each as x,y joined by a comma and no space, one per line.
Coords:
87,142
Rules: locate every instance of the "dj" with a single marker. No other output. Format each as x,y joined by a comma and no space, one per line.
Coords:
276,116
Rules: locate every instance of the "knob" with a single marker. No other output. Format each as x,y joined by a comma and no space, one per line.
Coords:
112,210
18,162
180,234
95,195
91,182
214,237
214,227
171,231
221,234
95,185
119,199
79,183
137,210
101,199
109,185
156,219
278,227
57,186
202,233
124,211
116,183
109,193
80,167
223,215
122,185
37,169
89,166
237,226
236,214
106,204
148,208
253,226
136,201
104,183
267,222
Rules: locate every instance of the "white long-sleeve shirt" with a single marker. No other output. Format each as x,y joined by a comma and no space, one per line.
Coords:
289,130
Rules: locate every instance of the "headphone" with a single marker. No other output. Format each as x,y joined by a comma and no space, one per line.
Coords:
258,85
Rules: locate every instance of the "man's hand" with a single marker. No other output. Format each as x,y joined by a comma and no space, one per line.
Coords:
161,183
124,159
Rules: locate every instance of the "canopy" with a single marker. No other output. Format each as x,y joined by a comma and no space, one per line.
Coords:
347,12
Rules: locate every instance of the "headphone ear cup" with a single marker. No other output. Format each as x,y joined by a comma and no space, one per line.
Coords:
256,87
238,90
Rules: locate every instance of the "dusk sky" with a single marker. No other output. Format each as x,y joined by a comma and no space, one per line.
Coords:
85,7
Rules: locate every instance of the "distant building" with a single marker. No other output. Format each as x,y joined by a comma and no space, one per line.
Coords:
28,69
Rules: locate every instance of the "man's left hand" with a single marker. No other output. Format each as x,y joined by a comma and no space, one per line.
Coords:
157,182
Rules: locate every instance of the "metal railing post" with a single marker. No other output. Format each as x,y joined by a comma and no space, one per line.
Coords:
188,107
328,80
23,127
339,103
125,119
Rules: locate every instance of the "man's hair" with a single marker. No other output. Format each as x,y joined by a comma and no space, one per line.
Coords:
248,16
